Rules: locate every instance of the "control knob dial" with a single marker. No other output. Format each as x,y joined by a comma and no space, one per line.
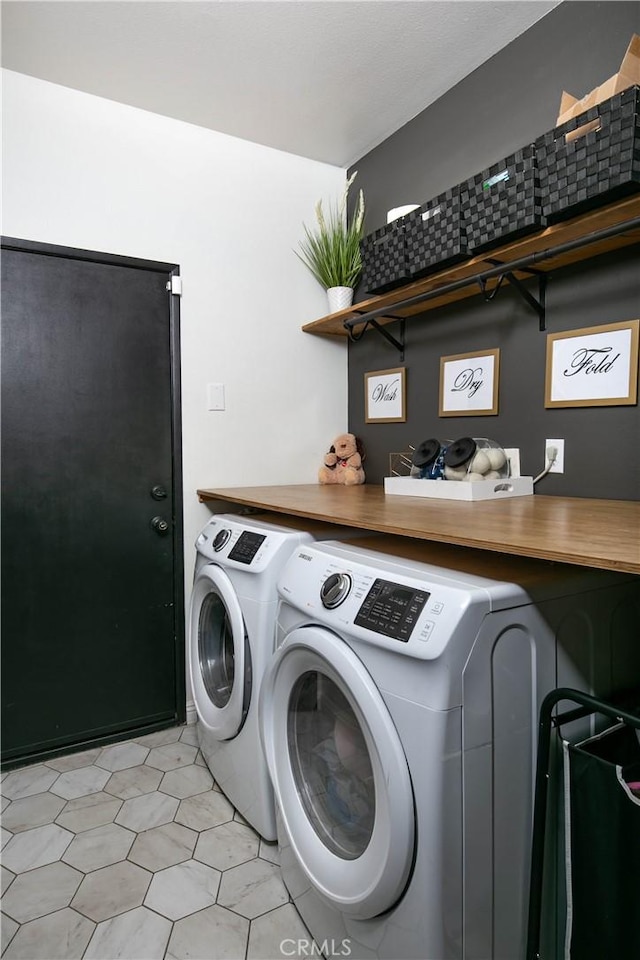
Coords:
220,539
335,590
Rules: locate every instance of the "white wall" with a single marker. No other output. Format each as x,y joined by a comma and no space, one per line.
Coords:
86,172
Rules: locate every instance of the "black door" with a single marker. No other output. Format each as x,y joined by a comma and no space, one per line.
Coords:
92,579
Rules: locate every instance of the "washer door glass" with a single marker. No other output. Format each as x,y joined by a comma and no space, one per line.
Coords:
331,765
219,655
339,773
216,654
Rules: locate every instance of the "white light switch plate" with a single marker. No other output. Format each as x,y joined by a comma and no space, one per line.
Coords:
215,396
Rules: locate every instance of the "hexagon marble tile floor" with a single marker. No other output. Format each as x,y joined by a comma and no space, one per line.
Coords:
132,851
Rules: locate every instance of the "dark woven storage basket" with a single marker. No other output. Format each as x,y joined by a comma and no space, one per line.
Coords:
597,167
383,258
502,202
434,235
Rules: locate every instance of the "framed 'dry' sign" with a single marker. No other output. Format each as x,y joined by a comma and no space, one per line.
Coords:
469,384
385,396
593,367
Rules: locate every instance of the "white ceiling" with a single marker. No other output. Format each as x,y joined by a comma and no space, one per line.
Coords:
325,79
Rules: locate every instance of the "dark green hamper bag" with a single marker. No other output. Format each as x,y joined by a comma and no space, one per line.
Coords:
602,838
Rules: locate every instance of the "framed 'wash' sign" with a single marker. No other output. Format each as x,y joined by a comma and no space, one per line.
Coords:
385,396
593,367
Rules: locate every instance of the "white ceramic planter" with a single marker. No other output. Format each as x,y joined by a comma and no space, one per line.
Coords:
339,298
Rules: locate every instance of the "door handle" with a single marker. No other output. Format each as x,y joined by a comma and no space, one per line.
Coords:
160,525
158,492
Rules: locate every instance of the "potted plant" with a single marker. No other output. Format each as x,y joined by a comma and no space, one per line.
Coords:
332,250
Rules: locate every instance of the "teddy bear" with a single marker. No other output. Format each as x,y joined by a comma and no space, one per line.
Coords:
343,462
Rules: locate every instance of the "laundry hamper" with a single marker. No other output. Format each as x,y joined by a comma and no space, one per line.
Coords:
600,776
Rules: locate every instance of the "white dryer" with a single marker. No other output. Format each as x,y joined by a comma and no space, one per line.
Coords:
399,721
231,639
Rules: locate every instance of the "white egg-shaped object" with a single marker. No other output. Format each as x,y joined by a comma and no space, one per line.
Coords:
480,462
497,457
455,473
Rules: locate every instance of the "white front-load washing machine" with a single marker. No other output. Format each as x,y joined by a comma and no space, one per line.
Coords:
231,639
399,721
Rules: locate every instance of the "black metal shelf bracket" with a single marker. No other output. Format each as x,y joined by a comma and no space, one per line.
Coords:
398,344
538,306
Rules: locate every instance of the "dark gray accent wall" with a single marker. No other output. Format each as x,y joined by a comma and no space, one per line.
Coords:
505,103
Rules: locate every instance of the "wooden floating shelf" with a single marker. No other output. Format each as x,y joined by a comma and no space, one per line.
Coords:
584,532
579,228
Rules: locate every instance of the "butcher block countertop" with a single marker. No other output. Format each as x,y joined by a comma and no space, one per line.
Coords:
591,533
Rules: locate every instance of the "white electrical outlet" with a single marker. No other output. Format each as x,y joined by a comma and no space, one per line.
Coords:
558,466
513,456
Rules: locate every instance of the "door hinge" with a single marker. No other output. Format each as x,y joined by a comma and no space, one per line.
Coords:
175,286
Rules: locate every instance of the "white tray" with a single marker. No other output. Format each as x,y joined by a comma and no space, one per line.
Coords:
459,489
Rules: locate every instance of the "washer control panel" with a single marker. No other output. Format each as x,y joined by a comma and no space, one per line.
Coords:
413,608
246,546
392,609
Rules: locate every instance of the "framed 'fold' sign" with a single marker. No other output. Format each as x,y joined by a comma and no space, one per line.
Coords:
593,367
